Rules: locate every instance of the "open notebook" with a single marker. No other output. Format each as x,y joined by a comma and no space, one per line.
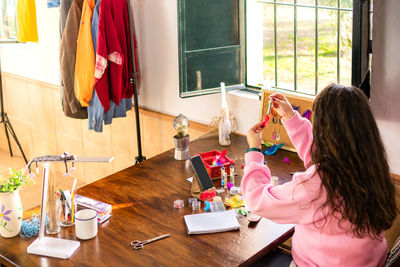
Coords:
212,222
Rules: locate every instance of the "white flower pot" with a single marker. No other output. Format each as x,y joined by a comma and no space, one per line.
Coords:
10,214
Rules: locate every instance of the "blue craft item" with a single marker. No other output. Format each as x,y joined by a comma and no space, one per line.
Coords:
207,206
30,227
272,150
295,107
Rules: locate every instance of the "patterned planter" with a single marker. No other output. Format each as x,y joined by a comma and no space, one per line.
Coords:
10,214
182,147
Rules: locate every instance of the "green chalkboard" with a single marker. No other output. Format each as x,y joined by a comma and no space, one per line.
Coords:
209,45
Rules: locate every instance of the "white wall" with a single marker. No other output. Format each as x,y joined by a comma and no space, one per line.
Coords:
39,61
158,48
385,91
157,34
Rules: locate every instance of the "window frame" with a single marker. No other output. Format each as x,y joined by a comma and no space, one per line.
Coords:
360,51
10,40
183,92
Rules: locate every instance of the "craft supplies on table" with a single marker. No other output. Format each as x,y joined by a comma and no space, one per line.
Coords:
220,190
272,150
136,244
66,208
93,204
215,171
234,190
30,227
191,200
213,222
178,204
234,202
103,209
253,218
232,174
196,205
208,194
274,180
217,206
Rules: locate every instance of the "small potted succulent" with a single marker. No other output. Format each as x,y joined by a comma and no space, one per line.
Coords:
10,202
181,138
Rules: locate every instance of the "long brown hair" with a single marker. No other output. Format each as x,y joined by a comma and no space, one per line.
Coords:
351,160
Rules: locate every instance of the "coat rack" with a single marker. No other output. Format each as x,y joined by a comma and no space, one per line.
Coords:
133,80
4,118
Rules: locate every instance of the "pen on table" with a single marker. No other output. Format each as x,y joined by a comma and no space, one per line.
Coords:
66,201
72,200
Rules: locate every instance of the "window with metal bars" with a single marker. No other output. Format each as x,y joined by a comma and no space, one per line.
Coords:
297,46
306,44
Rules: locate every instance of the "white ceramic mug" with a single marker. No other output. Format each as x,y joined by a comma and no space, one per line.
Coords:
86,224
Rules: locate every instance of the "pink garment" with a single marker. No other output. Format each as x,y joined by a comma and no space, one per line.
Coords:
314,243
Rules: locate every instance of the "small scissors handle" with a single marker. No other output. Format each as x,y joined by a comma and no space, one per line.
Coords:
136,244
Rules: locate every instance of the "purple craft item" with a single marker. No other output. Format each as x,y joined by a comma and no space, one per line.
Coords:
307,114
229,185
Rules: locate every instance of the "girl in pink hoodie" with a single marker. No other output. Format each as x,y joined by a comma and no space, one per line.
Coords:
344,201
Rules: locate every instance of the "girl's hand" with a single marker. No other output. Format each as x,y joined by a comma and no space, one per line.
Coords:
254,136
282,106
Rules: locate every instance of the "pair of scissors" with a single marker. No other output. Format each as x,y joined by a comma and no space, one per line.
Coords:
136,244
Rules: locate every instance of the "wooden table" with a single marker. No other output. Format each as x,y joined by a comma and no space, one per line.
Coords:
142,197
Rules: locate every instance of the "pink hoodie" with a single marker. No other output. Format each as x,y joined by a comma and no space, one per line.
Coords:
316,242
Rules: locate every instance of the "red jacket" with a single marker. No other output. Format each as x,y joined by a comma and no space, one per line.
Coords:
113,55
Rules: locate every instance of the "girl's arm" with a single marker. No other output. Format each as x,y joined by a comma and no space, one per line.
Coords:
298,129
287,203
300,133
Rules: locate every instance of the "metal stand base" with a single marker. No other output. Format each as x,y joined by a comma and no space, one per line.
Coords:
139,159
8,128
182,154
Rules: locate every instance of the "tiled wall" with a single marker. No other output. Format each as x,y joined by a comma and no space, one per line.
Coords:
34,110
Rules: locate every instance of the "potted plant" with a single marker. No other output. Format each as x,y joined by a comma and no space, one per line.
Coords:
181,138
10,202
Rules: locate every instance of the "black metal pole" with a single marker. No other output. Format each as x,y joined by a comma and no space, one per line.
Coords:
7,123
133,80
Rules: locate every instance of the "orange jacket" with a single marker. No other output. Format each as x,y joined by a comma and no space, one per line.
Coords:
85,56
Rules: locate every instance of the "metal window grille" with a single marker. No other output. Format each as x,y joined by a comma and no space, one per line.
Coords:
295,4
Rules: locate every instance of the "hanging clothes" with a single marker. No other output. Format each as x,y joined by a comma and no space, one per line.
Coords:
71,105
26,21
113,55
85,56
53,3
64,9
96,113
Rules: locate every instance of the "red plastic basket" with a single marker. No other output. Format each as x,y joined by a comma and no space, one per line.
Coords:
215,171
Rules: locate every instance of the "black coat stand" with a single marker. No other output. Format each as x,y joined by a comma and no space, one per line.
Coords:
133,80
7,124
